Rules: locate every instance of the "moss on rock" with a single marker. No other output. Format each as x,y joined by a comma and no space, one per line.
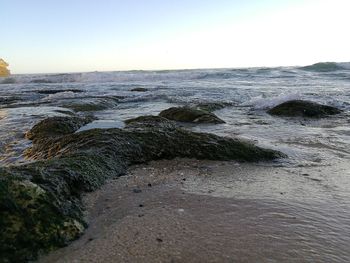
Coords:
211,106
188,114
56,126
300,108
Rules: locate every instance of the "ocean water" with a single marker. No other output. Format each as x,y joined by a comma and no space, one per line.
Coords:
249,92
316,174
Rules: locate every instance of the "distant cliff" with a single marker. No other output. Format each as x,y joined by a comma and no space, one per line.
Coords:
4,72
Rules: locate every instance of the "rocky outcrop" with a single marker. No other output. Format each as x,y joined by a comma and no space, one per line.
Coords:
190,114
40,202
4,72
300,108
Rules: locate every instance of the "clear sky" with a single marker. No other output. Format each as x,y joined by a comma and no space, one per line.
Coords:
40,36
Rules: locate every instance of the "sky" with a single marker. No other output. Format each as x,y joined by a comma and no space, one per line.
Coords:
41,36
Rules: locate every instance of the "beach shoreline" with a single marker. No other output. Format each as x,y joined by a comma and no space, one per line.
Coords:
170,211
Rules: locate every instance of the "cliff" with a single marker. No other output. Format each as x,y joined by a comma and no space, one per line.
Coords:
4,72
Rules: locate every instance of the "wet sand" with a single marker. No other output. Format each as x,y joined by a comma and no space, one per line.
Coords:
203,211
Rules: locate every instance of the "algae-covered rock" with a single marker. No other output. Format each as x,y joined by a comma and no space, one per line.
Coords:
187,114
30,220
150,121
84,107
56,126
300,108
93,104
40,202
211,106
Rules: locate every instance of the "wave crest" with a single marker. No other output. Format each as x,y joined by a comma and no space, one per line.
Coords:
326,67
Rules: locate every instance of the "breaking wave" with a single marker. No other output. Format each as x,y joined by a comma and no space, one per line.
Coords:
327,67
261,102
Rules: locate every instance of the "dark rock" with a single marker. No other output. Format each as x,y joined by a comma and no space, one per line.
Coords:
211,106
150,121
40,202
139,89
136,190
187,114
84,107
56,126
93,104
299,108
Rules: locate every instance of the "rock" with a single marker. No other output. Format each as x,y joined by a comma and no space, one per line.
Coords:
56,126
299,108
211,106
139,89
4,72
30,221
187,114
84,107
150,121
96,104
40,202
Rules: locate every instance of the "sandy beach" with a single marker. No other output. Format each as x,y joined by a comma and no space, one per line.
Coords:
205,211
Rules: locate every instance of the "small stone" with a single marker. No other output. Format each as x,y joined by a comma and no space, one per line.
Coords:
149,185
159,240
140,205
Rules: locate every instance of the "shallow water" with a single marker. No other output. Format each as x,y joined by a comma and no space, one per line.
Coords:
316,173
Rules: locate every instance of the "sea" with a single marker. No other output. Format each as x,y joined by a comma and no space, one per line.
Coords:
318,150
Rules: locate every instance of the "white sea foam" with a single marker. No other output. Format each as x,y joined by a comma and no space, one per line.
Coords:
261,102
62,95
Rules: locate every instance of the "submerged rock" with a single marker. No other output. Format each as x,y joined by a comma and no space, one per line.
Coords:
139,89
300,108
40,202
93,104
150,121
187,114
211,106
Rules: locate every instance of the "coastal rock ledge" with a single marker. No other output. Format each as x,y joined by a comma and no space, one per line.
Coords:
40,202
